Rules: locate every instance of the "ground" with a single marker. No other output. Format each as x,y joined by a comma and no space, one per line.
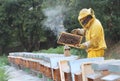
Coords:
19,75
113,51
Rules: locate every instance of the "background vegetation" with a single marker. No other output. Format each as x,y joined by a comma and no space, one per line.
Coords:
22,29
3,62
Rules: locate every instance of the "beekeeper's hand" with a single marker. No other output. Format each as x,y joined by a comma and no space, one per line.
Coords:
81,46
78,31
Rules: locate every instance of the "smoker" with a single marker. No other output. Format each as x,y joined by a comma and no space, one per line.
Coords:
67,50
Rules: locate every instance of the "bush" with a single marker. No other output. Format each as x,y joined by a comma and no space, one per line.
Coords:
3,62
60,50
3,76
78,52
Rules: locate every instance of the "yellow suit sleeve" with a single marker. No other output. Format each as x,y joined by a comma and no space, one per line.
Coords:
95,36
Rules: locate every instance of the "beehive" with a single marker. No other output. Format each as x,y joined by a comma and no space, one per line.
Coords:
69,39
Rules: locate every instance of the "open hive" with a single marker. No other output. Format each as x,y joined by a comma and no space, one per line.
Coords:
69,39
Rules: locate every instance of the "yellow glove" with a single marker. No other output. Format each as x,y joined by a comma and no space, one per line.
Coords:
84,45
81,46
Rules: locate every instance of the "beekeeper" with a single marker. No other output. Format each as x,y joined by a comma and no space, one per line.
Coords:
94,34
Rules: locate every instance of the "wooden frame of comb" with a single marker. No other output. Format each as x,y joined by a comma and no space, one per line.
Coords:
69,39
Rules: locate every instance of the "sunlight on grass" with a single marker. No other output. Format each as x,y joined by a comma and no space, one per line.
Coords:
3,62
3,76
60,50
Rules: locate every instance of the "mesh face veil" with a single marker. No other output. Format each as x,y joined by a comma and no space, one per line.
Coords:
85,20
86,16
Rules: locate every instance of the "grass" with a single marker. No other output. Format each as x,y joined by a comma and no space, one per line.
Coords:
3,76
79,52
60,50
3,62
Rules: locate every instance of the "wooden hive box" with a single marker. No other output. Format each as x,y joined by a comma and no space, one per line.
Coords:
69,39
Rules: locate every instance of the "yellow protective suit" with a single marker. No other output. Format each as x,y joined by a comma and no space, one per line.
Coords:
93,32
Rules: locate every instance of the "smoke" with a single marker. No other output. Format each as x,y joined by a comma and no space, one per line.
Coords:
55,17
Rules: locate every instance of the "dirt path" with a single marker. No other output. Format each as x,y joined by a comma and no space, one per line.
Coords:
19,75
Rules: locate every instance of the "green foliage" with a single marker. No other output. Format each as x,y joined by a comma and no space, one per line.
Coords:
20,22
58,50
3,61
108,14
79,52
113,55
3,76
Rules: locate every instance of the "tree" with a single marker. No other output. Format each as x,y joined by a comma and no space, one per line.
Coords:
5,30
109,16
23,18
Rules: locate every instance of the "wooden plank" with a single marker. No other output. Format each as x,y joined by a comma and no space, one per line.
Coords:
56,75
78,77
86,70
48,72
98,79
64,70
68,76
